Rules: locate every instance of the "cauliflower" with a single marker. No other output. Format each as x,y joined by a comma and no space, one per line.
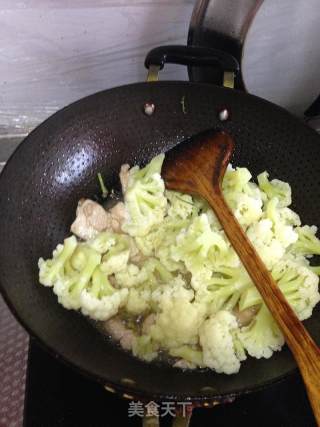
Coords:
82,265
298,283
202,206
75,272
236,180
175,289
138,300
263,239
218,341
262,336
102,308
103,241
197,247
225,288
159,241
53,269
284,233
180,205
246,209
307,243
117,257
275,188
300,287
144,348
160,271
289,217
189,354
143,282
243,197
131,276
144,198
177,323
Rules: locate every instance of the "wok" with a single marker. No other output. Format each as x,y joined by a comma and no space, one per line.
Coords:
57,164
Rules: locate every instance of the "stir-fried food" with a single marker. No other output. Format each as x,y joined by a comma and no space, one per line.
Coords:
159,274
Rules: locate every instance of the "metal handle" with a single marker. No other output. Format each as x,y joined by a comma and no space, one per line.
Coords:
191,55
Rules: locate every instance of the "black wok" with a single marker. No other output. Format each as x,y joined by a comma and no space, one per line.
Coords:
57,164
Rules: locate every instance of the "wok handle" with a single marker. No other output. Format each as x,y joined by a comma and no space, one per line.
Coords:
192,55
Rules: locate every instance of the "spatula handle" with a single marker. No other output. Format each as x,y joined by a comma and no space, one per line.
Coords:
303,347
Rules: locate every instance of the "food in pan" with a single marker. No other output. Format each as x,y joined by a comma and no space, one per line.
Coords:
159,275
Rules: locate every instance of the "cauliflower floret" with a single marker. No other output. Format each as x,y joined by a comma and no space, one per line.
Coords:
117,257
236,180
202,206
246,209
175,289
297,282
275,188
159,241
198,240
145,348
307,243
131,276
283,232
268,247
75,272
199,248
90,219
142,283
299,285
217,339
103,242
138,300
262,336
177,323
225,287
289,217
244,197
144,198
53,269
102,308
189,355
180,205
110,244
77,276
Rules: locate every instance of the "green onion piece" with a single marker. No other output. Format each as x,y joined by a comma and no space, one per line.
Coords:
104,190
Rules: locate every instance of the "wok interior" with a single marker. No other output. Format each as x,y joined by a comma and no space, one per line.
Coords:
58,164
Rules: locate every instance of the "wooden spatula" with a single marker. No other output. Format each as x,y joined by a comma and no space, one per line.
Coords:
197,167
